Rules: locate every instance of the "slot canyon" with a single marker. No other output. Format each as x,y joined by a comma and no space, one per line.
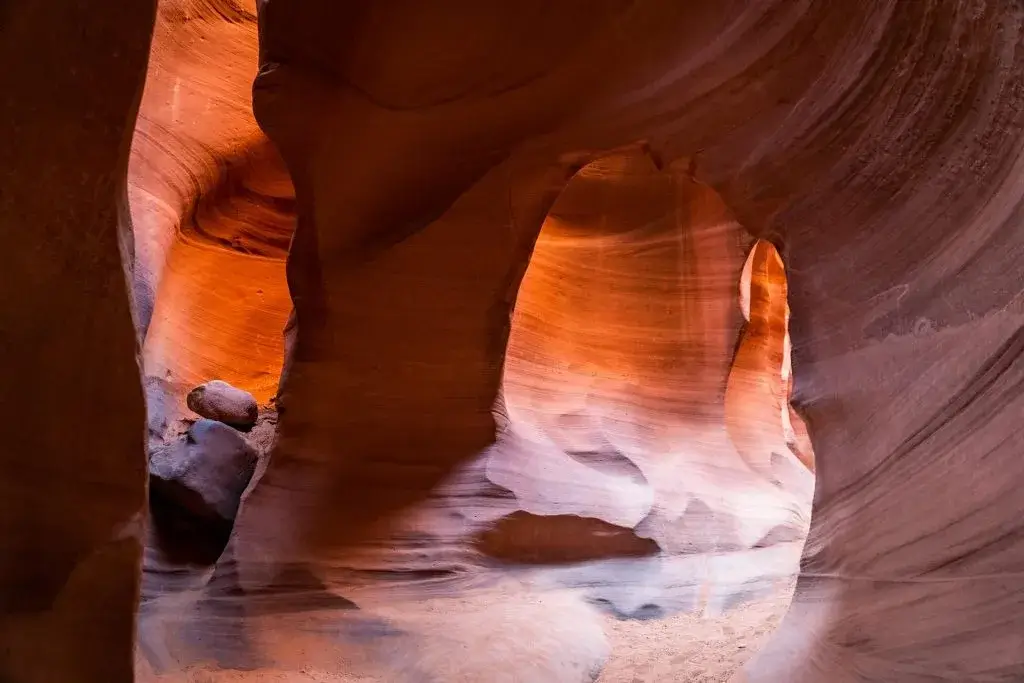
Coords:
545,341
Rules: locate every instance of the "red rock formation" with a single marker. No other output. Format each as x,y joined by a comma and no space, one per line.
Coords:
810,120
72,491
615,381
876,144
759,416
211,204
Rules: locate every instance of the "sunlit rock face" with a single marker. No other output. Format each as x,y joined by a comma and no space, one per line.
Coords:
212,205
760,420
613,448
613,490
625,331
876,145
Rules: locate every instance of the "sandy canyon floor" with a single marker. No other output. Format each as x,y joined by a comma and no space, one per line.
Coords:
683,648
425,606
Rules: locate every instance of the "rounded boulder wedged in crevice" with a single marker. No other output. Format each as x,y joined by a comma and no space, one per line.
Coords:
218,400
206,473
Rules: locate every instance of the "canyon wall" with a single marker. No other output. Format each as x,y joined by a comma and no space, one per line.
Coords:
432,153
874,144
72,493
212,206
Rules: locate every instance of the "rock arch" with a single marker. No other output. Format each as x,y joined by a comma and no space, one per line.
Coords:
876,145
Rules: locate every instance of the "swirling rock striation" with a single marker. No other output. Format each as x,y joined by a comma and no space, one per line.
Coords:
875,145
212,206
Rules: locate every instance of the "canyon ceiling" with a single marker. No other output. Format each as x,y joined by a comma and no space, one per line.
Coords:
553,310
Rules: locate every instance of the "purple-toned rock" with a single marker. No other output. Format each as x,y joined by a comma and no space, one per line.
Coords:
218,400
206,473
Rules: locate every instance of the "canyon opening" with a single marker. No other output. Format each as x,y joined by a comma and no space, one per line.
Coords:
487,342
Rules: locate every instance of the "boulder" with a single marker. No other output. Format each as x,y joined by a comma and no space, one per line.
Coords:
206,473
220,401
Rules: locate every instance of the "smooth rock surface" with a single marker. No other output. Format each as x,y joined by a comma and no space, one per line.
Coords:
517,285
211,204
206,473
218,400
72,492
875,144
578,462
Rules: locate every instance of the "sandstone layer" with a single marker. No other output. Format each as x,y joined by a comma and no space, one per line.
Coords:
535,365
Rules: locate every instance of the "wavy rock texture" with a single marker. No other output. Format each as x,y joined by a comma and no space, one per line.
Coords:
212,205
613,486
759,418
876,145
614,443
615,388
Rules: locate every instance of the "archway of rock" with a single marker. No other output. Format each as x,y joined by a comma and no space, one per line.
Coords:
649,402
879,142
644,459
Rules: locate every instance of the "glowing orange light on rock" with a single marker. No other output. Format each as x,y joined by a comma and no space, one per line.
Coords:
758,415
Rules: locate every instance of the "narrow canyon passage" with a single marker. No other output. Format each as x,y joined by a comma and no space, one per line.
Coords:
212,208
614,487
614,444
511,300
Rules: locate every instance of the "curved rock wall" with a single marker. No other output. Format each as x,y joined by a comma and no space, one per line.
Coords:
612,482
625,329
212,205
874,142
759,418
877,144
72,492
